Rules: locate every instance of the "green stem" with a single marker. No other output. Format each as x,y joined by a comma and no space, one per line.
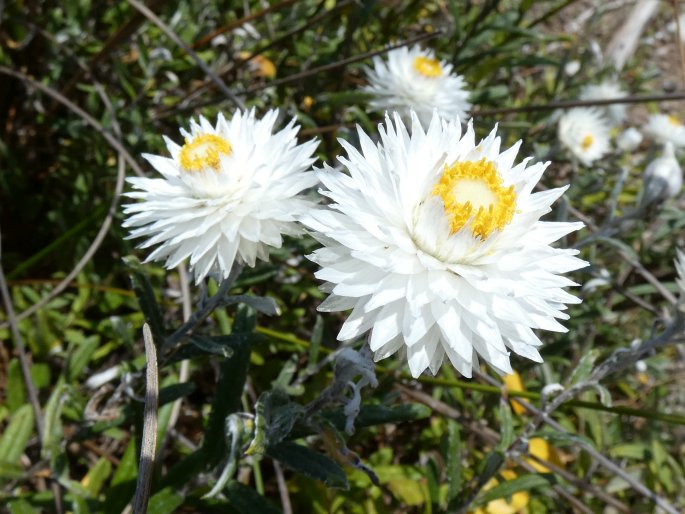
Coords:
483,388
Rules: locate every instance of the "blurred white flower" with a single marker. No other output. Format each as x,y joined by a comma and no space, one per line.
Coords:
227,194
615,113
629,139
413,79
571,68
666,128
585,133
662,178
436,244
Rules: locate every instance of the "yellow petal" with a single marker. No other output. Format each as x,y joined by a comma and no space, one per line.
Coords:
542,450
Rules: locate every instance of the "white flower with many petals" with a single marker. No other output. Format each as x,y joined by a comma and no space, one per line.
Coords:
227,194
585,132
615,113
666,128
437,246
413,79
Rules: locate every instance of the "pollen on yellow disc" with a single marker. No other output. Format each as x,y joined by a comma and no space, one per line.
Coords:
474,190
512,505
427,66
587,141
204,151
674,121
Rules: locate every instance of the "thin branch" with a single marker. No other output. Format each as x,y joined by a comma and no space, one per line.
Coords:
679,40
174,37
149,442
569,104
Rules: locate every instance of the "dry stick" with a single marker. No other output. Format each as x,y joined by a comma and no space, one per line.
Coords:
282,488
339,64
149,442
492,437
679,41
26,371
238,23
123,154
184,370
544,416
568,104
174,37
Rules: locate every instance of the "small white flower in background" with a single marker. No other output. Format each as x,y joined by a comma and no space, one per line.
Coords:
571,68
662,178
436,244
227,194
629,139
666,128
615,113
585,133
413,79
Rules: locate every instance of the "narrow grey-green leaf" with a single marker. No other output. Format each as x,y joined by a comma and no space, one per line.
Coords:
165,501
506,424
309,463
584,367
453,460
507,488
247,501
17,434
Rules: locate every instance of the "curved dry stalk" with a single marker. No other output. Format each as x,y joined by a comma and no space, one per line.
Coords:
174,37
124,155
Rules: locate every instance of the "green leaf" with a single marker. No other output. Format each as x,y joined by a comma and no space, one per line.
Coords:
491,467
506,424
200,346
165,501
146,298
507,488
173,392
10,470
81,349
563,438
453,471
97,475
16,394
309,463
584,367
247,501
280,415
22,507
262,304
53,434
16,435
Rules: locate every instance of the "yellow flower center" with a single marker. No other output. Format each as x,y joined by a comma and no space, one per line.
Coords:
427,67
473,190
204,151
587,141
673,120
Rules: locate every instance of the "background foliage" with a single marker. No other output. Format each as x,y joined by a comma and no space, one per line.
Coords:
429,442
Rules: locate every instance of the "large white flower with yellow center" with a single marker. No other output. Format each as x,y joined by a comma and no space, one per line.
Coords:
413,79
666,128
436,245
228,193
585,133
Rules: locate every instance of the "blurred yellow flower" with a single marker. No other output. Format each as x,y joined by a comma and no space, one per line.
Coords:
541,449
513,382
512,505
260,65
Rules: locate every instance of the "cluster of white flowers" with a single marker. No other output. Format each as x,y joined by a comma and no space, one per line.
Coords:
432,239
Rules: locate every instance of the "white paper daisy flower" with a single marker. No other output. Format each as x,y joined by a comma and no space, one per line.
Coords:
615,113
413,79
436,245
585,133
227,194
666,128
